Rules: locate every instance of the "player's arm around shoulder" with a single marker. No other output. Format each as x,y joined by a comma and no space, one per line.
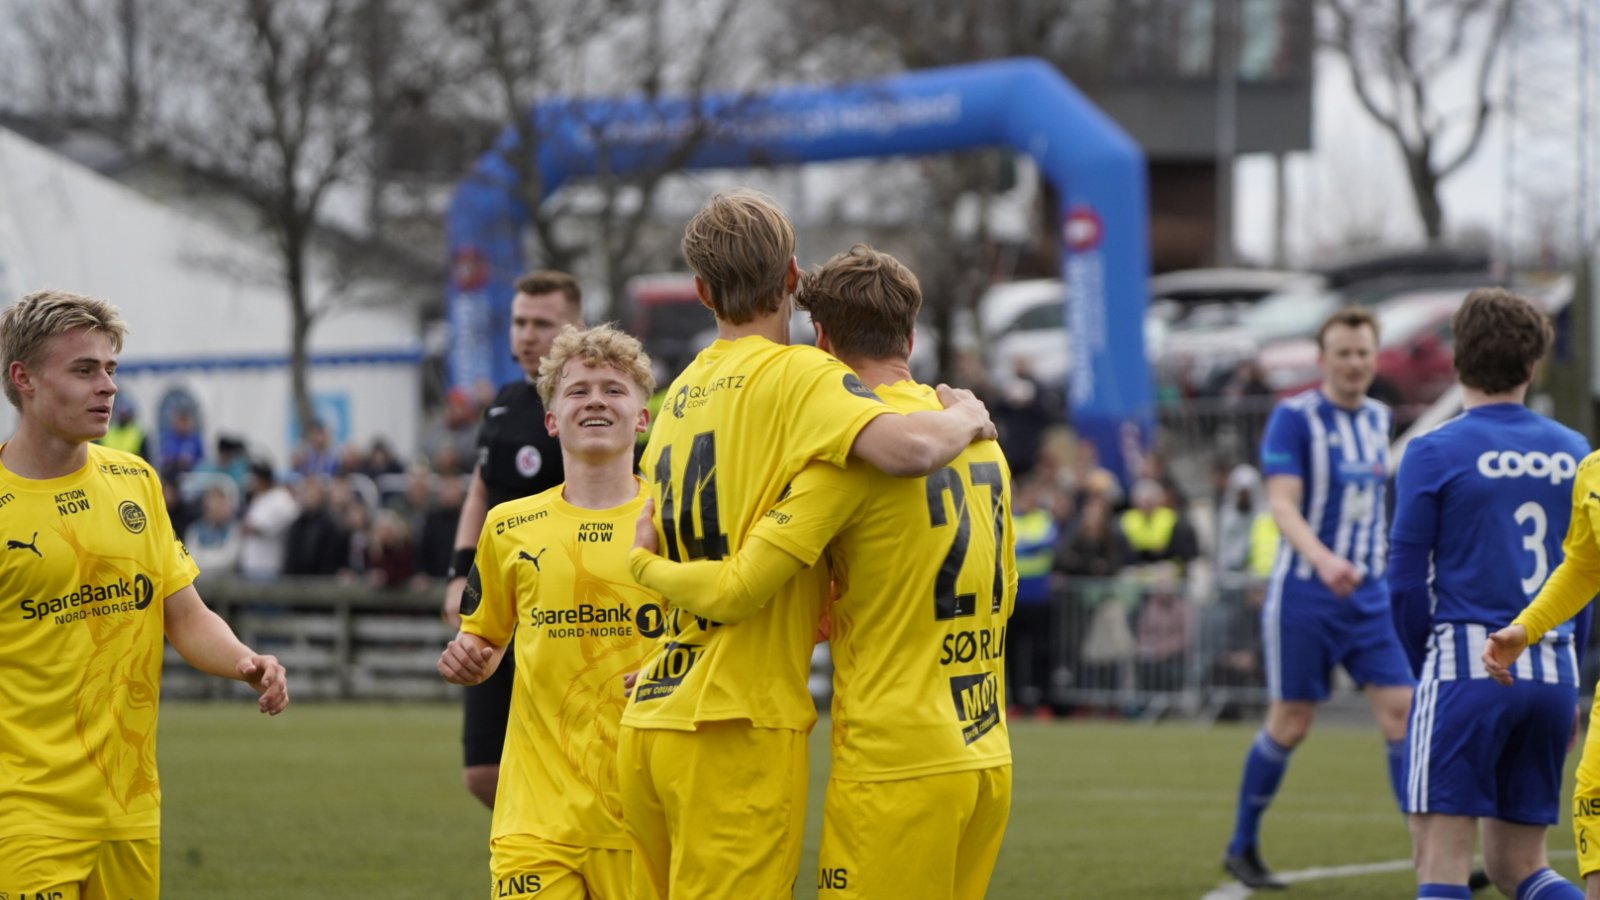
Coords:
923,442
206,642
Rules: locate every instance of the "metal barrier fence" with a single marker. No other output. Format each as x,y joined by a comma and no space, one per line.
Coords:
1139,645
1194,433
338,640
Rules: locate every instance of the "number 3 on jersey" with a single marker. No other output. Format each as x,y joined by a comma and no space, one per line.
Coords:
686,538
1534,543
947,604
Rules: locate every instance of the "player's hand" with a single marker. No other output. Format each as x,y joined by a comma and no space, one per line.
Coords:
966,400
1339,574
267,676
644,530
451,610
465,660
1500,652
628,681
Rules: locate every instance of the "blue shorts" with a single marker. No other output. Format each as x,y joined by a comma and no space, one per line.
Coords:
1306,632
1476,748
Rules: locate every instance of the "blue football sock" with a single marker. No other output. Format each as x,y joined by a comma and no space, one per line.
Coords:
1545,884
1397,771
1446,891
1264,766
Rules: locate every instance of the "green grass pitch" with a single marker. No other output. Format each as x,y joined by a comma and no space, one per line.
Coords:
356,801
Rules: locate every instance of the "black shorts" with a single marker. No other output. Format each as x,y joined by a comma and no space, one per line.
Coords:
487,707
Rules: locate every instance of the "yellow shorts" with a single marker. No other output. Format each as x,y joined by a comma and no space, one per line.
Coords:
714,813
930,838
71,869
522,865
1586,804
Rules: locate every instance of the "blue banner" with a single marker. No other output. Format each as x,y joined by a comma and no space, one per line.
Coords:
1098,171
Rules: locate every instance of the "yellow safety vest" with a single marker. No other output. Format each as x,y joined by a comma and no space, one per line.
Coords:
1149,534
128,438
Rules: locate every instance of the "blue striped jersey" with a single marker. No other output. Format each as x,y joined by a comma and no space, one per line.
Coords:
1341,457
1491,492
1455,653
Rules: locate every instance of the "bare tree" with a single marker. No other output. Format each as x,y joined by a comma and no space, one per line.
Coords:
558,57
851,39
282,118
95,63
1398,52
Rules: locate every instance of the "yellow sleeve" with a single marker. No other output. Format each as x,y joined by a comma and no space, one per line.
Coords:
1576,580
829,408
814,507
1008,558
489,602
729,590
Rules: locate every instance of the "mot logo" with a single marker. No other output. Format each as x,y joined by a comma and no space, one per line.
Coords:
977,701
670,669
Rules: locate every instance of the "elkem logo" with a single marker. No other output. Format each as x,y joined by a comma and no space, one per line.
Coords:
1081,229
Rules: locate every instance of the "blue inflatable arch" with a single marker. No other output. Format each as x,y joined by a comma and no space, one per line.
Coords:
1026,105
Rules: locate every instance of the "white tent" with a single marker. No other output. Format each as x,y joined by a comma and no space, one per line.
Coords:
206,317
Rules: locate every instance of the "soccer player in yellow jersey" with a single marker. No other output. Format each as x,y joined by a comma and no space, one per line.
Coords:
713,752
93,578
925,568
555,564
1570,587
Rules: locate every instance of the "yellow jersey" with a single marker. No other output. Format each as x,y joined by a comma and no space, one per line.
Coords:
556,576
1574,582
89,559
925,570
735,428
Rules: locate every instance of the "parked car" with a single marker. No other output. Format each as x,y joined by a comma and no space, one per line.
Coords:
1415,353
1198,361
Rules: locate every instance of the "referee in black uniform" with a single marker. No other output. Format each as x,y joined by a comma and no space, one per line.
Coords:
517,457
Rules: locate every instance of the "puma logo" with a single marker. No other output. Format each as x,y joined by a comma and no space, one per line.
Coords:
1592,496
523,554
30,545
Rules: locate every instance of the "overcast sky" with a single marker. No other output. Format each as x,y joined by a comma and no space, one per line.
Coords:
1353,179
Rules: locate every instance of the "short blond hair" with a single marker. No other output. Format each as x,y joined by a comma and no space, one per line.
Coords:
602,345
740,244
865,300
27,327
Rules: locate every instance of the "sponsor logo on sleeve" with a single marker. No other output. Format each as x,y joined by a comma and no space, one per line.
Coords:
472,594
853,385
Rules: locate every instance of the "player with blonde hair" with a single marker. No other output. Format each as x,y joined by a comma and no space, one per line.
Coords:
98,577
920,788
713,749
551,569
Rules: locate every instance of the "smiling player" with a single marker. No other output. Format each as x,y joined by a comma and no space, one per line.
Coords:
553,570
